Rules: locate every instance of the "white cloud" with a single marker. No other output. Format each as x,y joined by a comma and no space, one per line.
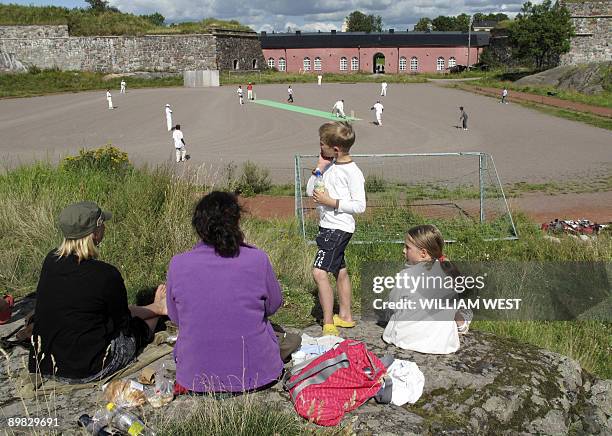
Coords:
311,15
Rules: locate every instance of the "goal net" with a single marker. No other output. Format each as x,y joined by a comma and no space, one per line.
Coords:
460,193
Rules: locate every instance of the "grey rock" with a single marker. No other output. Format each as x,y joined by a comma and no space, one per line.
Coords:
487,387
587,78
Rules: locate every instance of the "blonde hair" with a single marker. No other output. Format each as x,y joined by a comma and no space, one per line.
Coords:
83,248
428,238
337,134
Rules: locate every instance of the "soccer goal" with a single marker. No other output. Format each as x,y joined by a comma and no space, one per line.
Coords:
461,193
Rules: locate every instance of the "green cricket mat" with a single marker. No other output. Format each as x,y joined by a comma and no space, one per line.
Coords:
303,110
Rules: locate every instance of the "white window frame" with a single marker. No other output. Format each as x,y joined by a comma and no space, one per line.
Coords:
306,63
403,63
452,62
354,63
271,63
440,65
282,64
317,63
343,64
414,63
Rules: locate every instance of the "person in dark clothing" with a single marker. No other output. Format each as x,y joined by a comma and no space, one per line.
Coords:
84,329
463,118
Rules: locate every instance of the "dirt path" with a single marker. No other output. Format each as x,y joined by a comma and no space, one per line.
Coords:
539,207
540,99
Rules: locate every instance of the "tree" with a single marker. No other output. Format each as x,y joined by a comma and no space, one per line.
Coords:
156,19
443,23
541,33
359,22
100,6
462,23
423,25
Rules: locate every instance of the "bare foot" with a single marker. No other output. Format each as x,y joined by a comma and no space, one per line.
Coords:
160,300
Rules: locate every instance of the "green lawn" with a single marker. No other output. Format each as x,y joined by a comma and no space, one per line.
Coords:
151,223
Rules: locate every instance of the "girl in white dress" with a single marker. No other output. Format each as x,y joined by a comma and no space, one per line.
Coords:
433,331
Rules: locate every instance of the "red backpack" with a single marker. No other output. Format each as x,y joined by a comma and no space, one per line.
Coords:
335,383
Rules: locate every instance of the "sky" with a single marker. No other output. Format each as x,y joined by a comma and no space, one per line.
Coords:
305,15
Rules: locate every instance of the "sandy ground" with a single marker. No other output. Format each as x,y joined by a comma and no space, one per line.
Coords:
526,145
539,207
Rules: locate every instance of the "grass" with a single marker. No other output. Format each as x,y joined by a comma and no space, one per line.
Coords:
43,82
240,416
603,99
272,76
152,210
85,22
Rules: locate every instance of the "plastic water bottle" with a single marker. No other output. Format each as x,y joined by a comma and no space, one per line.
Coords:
127,422
164,388
95,426
319,184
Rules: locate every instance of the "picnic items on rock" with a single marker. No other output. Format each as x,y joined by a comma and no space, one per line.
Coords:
337,382
312,348
407,380
124,393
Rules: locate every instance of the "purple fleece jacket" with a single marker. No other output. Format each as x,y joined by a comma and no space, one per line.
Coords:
221,305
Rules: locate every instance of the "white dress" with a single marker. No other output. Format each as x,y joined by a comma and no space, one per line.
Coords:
425,331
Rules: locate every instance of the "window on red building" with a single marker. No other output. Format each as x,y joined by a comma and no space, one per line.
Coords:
354,64
306,64
343,64
270,62
440,64
282,64
317,64
452,62
402,64
414,63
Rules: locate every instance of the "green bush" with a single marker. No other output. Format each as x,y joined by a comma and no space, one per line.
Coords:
253,179
109,159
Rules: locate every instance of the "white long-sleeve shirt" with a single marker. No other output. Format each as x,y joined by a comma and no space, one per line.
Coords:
345,182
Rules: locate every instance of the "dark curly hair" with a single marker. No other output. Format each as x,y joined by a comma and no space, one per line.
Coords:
216,219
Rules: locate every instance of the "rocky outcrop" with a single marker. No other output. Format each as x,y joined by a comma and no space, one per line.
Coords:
586,78
491,385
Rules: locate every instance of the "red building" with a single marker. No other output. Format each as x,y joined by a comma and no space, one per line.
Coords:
391,52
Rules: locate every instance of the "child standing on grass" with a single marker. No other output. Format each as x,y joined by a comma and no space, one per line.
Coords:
426,331
341,198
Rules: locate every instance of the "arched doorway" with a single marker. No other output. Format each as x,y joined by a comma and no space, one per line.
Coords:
378,63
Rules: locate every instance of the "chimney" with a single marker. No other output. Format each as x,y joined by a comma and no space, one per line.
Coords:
333,31
391,30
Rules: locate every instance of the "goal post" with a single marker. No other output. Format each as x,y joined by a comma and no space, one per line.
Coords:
460,193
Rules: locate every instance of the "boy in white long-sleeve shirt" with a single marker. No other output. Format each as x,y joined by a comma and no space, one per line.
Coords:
343,196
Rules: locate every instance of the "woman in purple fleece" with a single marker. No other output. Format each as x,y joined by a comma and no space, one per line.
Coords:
220,294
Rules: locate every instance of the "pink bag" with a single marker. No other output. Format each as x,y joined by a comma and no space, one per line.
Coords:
335,383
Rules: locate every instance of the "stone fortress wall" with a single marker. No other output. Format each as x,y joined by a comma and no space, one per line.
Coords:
593,23
53,47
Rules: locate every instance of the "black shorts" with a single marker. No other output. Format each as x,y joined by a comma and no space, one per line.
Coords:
330,255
